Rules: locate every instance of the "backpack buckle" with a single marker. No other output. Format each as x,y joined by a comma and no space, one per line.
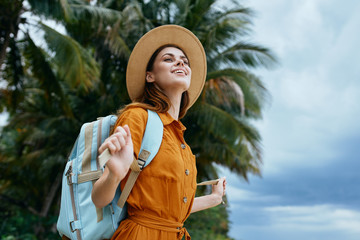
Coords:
71,227
143,156
68,175
75,225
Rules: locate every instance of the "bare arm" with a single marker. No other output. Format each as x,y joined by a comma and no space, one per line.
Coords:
212,200
121,149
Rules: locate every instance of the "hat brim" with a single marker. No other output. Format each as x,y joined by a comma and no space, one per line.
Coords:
156,38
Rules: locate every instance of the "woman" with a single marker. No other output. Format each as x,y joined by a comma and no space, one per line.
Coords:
166,73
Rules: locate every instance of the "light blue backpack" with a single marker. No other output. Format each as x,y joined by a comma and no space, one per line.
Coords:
79,218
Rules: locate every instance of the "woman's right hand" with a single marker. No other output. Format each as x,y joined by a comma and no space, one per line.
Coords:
121,148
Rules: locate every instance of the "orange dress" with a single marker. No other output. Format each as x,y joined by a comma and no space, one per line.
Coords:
163,194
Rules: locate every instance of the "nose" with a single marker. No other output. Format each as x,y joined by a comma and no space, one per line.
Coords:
180,62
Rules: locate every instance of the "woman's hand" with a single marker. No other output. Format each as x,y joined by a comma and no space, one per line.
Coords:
219,190
212,200
121,148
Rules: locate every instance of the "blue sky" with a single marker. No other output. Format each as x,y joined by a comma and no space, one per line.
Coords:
310,188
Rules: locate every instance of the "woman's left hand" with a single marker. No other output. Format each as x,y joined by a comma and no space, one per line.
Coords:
212,200
219,190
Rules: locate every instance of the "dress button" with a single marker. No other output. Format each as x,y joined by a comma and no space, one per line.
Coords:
187,172
183,146
185,199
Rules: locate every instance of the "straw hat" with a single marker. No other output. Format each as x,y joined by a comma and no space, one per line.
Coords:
156,38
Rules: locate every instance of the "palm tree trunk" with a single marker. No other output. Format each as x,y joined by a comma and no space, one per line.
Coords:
50,197
48,202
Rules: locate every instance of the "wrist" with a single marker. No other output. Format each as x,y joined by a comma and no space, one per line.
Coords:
114,178
217,198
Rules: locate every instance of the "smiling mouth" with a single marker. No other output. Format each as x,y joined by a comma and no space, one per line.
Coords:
180,71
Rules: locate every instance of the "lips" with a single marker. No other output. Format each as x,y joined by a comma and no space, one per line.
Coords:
179,71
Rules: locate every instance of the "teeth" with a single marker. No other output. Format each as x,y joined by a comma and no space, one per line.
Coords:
179,71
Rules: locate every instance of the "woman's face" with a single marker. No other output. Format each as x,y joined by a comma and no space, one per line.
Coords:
171,71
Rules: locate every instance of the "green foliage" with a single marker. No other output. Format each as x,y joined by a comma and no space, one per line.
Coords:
20,225
51,86
209,224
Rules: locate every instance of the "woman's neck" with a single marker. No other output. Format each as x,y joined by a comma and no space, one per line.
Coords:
175,106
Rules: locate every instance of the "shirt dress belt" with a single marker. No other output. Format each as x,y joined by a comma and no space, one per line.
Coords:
147,220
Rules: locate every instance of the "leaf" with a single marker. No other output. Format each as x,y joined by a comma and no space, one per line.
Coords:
116,43
42,71
247,55
74,63
67,11
95,13
255,93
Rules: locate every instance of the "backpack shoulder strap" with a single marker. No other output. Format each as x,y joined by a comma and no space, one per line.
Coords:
152,138
149,148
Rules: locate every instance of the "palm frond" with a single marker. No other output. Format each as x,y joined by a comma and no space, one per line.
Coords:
216,36
255,93
225,94
47,8
217,122
116,43
246,55
224,126
182,10
219,137
42,71
95,13
238,12
74,63
197,11
67,11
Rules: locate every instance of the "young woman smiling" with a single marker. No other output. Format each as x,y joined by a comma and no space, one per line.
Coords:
166,73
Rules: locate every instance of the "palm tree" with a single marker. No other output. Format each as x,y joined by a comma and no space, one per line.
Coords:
45,83
55,84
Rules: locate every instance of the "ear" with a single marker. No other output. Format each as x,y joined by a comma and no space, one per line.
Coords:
149,77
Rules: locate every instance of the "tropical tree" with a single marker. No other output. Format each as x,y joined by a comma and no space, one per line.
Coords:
47,83
54,80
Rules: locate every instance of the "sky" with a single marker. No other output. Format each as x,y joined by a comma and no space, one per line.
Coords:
310,184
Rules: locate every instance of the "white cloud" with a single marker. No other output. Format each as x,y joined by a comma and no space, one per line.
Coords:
318,218
236,195
312,222
316,89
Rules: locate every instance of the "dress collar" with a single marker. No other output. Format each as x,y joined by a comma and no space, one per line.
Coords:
167,119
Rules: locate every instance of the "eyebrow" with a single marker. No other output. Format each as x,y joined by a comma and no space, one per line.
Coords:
172,55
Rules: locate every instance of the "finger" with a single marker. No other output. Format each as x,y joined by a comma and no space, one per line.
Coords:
120,130
104,145
101,148
111,147
221,181
122,141
128,133
115,141
117,129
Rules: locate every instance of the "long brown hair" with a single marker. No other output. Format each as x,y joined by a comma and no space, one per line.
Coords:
153,98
